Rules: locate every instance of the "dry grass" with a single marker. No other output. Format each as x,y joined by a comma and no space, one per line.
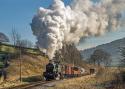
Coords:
100,81
31,66
77,83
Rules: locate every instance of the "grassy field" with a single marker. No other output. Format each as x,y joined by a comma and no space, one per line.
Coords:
32,69
32,64
103,80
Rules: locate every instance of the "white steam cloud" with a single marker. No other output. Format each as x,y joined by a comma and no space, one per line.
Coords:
60,24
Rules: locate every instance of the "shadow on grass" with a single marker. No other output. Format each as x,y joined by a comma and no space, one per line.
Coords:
117,83
32,79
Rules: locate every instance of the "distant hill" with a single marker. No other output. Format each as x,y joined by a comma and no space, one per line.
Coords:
112,48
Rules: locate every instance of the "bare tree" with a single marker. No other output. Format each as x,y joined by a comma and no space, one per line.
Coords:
100,56
69,54
17,41
20,44
15,36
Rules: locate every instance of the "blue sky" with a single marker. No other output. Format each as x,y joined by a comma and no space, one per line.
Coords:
19,13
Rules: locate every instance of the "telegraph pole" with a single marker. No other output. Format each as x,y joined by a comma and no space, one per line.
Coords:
20,64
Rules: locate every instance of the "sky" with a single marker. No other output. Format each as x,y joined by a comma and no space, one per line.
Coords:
18,14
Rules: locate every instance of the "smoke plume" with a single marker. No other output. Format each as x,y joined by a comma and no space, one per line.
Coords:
60,24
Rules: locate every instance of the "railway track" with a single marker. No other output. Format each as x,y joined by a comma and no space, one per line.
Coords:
29,86
38,84
35,84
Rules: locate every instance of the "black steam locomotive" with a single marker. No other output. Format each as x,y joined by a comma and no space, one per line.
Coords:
52,71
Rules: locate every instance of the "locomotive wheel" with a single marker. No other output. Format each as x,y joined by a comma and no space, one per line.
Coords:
58,77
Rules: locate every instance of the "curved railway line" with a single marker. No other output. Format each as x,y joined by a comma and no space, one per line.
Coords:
29,86
39,85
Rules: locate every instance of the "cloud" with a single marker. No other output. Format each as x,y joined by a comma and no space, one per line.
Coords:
60,24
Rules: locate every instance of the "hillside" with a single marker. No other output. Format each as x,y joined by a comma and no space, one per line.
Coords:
32,67
112,48
11,49
33,64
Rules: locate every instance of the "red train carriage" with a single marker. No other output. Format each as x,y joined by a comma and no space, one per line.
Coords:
68,70
76,71
72,71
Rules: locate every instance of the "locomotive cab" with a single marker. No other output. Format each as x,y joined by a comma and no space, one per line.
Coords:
52,71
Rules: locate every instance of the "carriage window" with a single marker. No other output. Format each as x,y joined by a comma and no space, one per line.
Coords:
75,68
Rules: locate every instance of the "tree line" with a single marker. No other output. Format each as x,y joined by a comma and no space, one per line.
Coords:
100,57
18,41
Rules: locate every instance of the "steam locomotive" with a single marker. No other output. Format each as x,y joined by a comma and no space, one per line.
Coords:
56,71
